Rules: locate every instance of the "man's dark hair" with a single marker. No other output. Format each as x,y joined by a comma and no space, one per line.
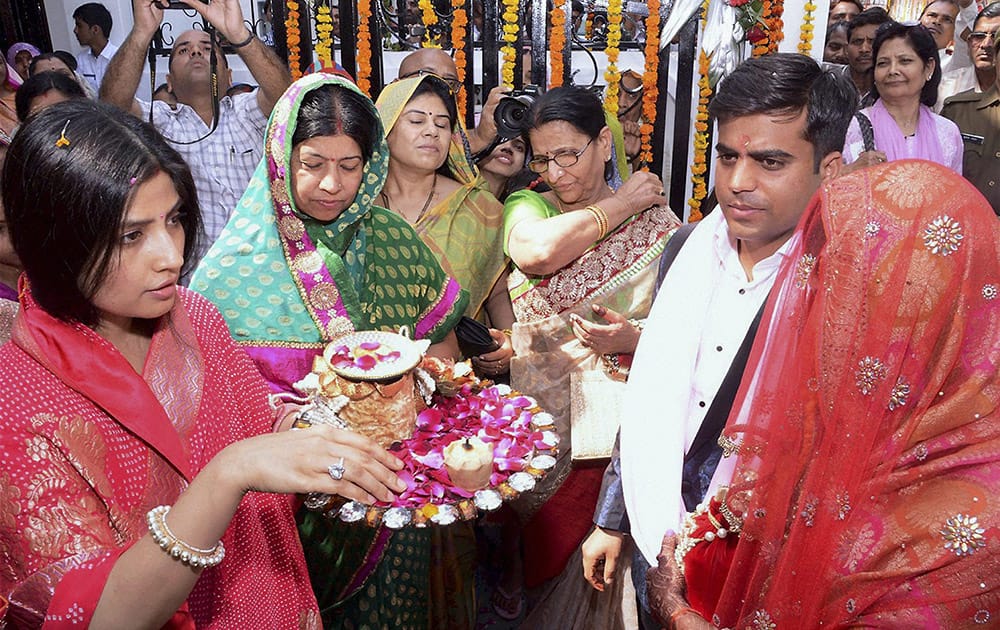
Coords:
856,3
783,84
66,203
95,14
991,10
951,2
38,84
922,42
874,15
837,26
334,110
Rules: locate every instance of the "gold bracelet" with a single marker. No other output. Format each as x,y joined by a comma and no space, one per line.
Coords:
178,549
601,217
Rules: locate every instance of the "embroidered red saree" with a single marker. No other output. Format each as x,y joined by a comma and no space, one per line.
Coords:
867,447
89,446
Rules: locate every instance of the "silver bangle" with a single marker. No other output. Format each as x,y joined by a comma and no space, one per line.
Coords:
178,549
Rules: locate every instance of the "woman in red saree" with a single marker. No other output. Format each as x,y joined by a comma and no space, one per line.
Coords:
864,460
130,423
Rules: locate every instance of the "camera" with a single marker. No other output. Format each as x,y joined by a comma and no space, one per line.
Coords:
174,4
511,114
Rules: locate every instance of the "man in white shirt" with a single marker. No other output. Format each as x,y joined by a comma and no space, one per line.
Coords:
92,29
949,22
222,155
782,123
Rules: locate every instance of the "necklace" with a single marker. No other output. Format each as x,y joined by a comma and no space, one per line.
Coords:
427,204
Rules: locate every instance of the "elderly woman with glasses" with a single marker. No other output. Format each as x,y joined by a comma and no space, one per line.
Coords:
584,268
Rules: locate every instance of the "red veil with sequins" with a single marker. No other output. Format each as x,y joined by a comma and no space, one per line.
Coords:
868,457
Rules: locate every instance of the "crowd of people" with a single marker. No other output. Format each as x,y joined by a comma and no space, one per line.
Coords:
803,384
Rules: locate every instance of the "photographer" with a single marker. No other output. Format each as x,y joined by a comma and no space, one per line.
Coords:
222,153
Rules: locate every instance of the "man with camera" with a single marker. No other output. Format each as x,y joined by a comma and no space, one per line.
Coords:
222,150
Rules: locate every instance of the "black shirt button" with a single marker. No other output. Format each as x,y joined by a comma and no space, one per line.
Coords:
701,403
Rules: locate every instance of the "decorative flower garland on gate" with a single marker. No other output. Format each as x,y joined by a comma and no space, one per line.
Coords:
292,37
364,46
611,75
557,44
429,19
806,31
765,40
650,91
324,36
510,29
459,24
699,189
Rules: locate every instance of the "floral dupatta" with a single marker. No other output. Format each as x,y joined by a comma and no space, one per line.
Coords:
869,435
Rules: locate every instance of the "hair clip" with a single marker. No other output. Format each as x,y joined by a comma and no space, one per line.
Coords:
131,182
63,141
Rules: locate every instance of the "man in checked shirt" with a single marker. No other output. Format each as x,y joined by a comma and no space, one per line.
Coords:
222,160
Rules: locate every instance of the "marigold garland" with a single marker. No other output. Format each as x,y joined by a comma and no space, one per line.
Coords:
510,29
429,18
324,36
611,75
806,30
767,39
557,44
364,46
292,37
699,189
459,26
650,91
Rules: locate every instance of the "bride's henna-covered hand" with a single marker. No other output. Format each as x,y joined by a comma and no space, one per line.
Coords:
665,588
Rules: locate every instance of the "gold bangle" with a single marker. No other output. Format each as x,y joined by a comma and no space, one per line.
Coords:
176,548
601,218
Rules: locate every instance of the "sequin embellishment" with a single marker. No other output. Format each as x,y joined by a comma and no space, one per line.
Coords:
809,511
870,372
872,228
324,296
851,606
989,291
900,393
920,452
291,228
943,236
963,535
762,621
982,617
844,505
729,445
804,268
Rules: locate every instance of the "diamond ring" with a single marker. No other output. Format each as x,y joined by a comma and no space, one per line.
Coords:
337,470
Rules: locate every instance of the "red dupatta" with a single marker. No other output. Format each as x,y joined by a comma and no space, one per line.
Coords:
868,443
89,446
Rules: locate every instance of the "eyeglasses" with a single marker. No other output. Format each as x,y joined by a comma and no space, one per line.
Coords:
978,37
453,84
564,159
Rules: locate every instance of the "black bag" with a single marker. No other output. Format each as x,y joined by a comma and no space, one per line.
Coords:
474,338
867,131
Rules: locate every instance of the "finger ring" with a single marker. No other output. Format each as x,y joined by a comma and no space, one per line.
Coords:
337,470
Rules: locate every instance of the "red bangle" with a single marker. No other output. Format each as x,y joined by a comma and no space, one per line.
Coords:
680,612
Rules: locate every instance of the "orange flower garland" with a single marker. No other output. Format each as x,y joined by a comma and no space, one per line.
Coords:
611,75
459,25
364,46
324,36
557,44
292,37
429,19
806,30
510,29
650,91
699,167
770,16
